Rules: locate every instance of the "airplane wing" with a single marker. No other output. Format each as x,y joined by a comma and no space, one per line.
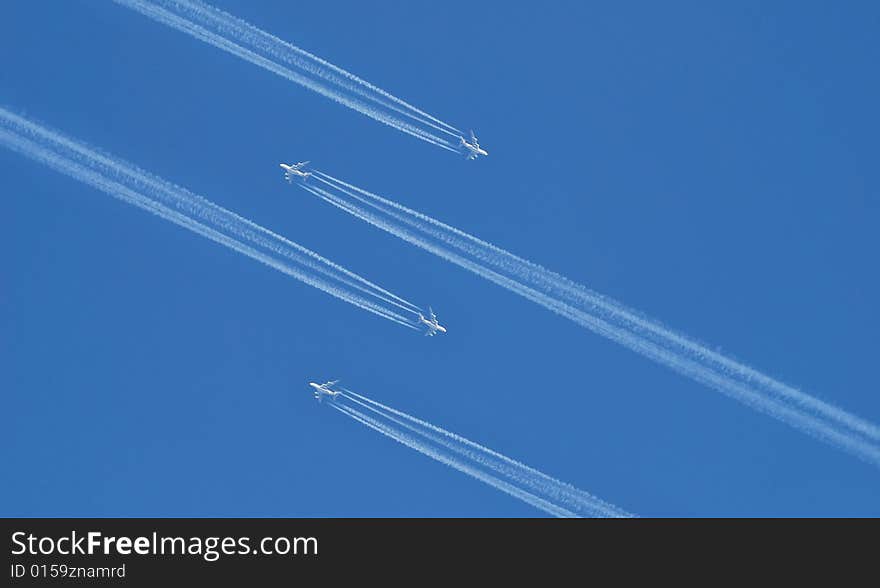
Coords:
301,164
433,316
473,137
330,383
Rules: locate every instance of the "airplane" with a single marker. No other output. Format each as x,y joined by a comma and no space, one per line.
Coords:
433,326
473,147
295,171
322,391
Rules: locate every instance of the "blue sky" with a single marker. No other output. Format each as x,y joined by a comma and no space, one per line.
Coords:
711,165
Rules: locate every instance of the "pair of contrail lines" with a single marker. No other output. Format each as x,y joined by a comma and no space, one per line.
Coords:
516,479
244,40
191,211
608,318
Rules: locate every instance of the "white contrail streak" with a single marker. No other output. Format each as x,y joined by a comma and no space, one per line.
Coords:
243,40
610,319
566,289
173,203
249,34
559,492
413,442
514,478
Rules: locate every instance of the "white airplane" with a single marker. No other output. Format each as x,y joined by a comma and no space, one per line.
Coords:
433,326
473,147
295,171
323,391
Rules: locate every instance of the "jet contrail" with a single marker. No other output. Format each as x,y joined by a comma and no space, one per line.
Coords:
176,204
608,318
282,50
235,36
512,477
414,443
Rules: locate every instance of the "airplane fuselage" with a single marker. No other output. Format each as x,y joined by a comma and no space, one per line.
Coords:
433,326
291,171
474,150
322,391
